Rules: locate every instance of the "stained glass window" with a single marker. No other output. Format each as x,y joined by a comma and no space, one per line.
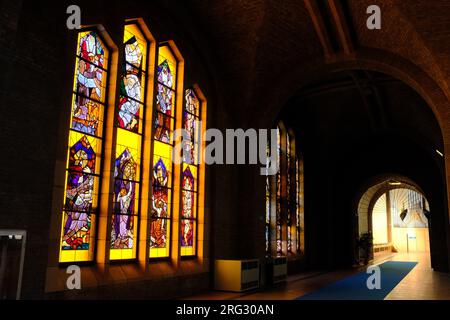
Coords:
189,175
300,220
297,205
289,192
165,108
287,195
127,164
84,149
278,194
268,200
165,95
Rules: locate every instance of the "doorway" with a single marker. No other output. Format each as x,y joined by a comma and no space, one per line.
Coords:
400,221
12,254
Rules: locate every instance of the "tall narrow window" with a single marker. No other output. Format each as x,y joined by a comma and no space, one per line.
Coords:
289,192
162,174
189,174
268,200
278,221
127,164
300,219
84,150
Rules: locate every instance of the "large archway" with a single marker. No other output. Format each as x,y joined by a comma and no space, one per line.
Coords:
355,125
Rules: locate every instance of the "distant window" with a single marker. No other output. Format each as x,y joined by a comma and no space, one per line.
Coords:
287,197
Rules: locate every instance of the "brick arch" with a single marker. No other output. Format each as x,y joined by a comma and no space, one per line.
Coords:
278,94
437,98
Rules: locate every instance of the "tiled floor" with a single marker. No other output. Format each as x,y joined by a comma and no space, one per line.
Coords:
421,283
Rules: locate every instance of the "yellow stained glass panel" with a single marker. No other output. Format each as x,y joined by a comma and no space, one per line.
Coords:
132,142
84,234
164,151
91,45
193,170
94,143
190,250
162,252
167,60
136,54
127,251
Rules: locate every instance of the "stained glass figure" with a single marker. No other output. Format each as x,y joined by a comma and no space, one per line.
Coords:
187,208
165,95
122,234
132,86
80,181
89,85
165,74
76,231
164,100
160,199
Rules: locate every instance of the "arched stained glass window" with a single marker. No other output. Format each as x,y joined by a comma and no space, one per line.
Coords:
162,175
287,197
189,174
268,200
84,150
128,145
300,217
289,192
278,187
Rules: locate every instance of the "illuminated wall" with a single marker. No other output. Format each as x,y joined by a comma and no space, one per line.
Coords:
409,225
379,221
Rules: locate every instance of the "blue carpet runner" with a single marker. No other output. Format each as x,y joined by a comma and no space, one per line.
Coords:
355,287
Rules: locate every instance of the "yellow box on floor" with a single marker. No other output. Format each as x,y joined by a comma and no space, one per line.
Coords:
236,275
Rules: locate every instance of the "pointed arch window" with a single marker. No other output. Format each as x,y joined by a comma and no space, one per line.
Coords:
128,145
278,188
287,196
300,216
267,232
84,149
190,173
290,192
163,143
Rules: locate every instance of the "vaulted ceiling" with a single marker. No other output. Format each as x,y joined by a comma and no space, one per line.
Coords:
258,42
